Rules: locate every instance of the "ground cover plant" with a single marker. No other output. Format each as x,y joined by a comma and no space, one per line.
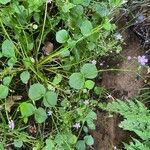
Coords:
48,62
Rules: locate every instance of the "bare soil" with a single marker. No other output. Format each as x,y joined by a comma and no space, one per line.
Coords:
123,84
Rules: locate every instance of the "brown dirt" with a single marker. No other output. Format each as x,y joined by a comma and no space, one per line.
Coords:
123,84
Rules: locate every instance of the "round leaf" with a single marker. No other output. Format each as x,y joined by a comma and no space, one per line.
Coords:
36,91
89,71
8,49
40,115
86,27
65,53
89,140
101,9
7,80
89,84
18,143
26,109
50,99
3,91
62,36
11,62
49,144
81,145
25,76
76,81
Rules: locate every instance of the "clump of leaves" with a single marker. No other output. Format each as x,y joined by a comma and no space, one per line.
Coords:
55,85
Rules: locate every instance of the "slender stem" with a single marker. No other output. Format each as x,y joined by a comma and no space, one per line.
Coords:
5,32
46,59
44,22
60,133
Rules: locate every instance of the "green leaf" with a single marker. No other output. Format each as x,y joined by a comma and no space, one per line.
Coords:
34,5
1,55
26,109
81,145
3,91
91,115
4,1
89,140
89,71
36,17
50,99
89,84
91,124
65,53
101,9
1,146
85,129
27,62
76,81
65,103
77,55
8,49
86,2
57,79
62,36
78,10
115,3
49,144
40,115
90,119
78,1
25,76
86,27
67,6
7,80
36,91
107,25
72,139
18,143
11,62
99,90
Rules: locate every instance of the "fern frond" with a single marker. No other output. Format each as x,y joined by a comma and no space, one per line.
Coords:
128,109
136,119
141,128
136,145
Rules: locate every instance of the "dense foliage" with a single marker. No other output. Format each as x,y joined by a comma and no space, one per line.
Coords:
48,69
47,72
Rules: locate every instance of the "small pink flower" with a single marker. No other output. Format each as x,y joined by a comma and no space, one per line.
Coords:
94,62
118,36
129,57
109,96
49,113
77,125
11,124
140,18
142,60
86,102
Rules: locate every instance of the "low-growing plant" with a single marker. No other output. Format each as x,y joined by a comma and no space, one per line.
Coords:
47,72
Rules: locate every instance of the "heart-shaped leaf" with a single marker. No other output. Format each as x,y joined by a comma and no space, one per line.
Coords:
76,81
36,91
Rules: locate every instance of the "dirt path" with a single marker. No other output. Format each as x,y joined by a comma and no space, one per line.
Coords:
123,85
